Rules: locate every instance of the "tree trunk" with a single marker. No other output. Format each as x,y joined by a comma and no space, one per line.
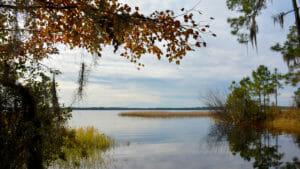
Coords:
297,18
27,102
276,97
264,103
259,97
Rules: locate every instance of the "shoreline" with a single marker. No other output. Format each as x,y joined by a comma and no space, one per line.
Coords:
289,126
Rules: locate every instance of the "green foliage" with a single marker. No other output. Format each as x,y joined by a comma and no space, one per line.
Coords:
275,80
297,98
244,102
290,50
30,129
244,83
261,79
245,26
293,76
241,107
265,83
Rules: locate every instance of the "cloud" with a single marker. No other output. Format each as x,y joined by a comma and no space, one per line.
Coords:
114,81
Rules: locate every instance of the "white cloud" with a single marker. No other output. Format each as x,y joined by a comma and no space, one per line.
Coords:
117,82
97,94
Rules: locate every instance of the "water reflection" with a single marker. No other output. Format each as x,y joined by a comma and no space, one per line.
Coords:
260,147
188,143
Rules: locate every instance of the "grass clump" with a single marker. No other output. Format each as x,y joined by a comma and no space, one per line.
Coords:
287,121
83,147
165,114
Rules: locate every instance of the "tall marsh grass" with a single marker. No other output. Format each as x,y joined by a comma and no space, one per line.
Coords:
165,114
83,148
287,121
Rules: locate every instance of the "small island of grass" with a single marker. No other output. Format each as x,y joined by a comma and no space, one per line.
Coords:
166,114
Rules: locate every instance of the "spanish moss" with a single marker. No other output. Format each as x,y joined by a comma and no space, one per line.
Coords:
82,80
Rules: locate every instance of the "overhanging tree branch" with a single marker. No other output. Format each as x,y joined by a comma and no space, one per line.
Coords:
37,7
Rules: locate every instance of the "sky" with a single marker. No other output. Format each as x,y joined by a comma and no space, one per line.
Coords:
116,82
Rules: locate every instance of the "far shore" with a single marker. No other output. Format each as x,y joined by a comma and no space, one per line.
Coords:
166,114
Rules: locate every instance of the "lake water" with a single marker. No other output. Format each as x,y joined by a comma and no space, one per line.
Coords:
188,143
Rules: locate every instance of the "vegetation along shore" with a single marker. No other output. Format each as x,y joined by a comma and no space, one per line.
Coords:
166,114
277,120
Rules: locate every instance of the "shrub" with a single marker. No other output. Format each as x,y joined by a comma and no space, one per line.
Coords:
241,108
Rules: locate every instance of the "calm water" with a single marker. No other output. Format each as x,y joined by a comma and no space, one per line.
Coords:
189,143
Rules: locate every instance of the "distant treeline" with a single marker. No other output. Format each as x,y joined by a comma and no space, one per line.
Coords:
136,108
145,108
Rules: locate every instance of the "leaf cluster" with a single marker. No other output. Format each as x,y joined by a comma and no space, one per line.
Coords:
290,51
245,100
241,107
94,24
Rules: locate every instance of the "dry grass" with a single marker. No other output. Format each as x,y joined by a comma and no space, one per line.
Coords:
285,125
287,121
83,148
165,114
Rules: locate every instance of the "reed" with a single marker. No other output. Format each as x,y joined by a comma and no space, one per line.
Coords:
287,121
165,114
83,147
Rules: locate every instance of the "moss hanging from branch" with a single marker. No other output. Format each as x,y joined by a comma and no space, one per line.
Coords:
82,79
279,18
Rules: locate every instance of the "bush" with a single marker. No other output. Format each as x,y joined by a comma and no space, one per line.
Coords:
241,108
215,101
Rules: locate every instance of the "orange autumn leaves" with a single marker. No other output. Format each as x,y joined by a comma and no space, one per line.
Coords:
95,24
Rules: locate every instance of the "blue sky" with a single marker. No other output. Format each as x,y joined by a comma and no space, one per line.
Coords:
114,81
